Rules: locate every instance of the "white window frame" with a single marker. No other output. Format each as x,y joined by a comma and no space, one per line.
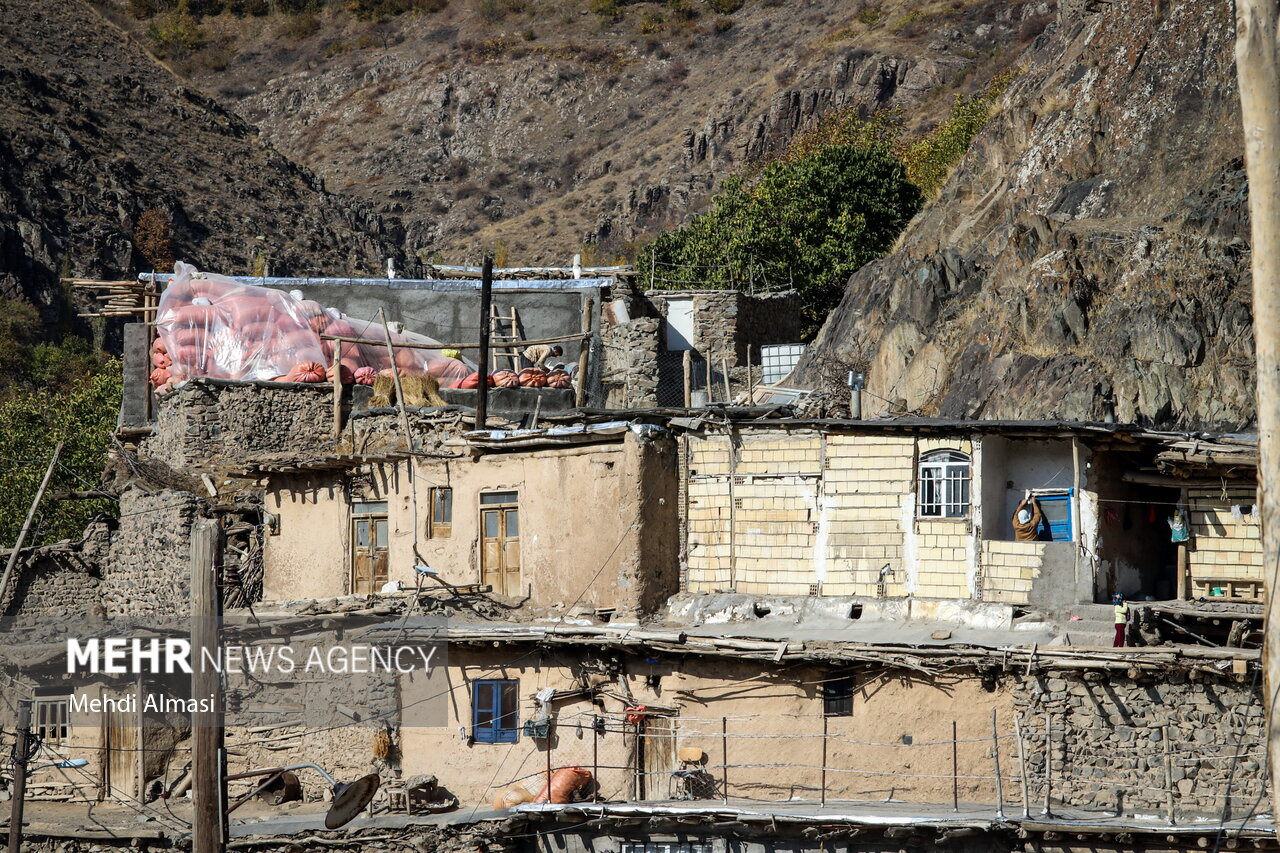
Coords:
948,475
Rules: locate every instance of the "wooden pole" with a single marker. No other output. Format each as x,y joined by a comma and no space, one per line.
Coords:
995,751
208,785
724,747
1022,767
580,398
395,377
1258,71
688,379
20,750
724,374
1168,774
1048,762
955,768
710,386
482,389
551,730
26,524
337,389
595,756
824,760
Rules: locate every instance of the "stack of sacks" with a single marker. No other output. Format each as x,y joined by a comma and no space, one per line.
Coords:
210,325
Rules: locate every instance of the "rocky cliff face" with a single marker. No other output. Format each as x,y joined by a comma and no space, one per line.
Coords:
541,127
94,134
1090,253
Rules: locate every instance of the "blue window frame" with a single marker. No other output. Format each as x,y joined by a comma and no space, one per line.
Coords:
1056,526
495,711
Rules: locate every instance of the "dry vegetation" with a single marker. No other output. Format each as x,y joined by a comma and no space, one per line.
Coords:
553,124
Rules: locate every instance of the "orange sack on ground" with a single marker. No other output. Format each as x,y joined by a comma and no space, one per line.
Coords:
564,782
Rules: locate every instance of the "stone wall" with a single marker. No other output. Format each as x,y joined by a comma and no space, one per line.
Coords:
146,577
1110,735
631,363
57,586
730,325
209,422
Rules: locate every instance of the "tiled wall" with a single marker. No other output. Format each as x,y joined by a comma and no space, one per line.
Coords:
1008,568
815,514
1224,553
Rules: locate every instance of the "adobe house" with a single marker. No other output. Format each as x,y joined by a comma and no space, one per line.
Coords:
530,515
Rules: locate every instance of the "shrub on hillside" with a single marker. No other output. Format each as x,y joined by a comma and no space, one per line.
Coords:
175,35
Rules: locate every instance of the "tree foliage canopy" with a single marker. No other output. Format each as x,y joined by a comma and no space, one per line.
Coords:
834,201
810,221
52,392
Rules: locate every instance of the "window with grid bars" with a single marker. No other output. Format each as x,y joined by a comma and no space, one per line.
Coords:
441,513
944,485
51,719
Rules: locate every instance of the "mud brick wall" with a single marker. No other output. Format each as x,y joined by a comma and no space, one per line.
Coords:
146,577
1110,736
631,363
210,422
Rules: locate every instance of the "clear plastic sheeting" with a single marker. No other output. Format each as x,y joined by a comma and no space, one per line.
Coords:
211,325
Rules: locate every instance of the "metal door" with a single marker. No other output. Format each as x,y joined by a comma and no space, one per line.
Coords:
500,549
369,535
679,325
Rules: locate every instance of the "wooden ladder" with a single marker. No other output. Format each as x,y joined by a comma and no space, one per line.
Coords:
505,343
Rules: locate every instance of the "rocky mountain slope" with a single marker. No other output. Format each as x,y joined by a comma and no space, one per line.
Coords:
1090,255
541,125
109,165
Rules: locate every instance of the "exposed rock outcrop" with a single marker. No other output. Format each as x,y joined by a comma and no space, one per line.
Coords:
93,133
1089,256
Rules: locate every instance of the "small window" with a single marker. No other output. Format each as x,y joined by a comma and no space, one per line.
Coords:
944,485
495,711
837,696
490,498
51,719
369,508
441,513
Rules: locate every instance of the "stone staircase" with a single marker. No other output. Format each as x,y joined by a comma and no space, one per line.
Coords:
1095,627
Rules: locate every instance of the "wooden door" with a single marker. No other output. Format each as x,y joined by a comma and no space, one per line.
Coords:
500,549
369,535
122,749
659,757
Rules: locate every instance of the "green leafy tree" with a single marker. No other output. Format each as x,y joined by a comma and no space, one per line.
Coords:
807,222
32,422
50,391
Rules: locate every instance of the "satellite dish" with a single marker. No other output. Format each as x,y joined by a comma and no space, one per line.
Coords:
349,800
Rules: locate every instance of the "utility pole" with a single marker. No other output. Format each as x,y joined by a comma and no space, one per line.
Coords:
208,787
20,753
1258,72
486,300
